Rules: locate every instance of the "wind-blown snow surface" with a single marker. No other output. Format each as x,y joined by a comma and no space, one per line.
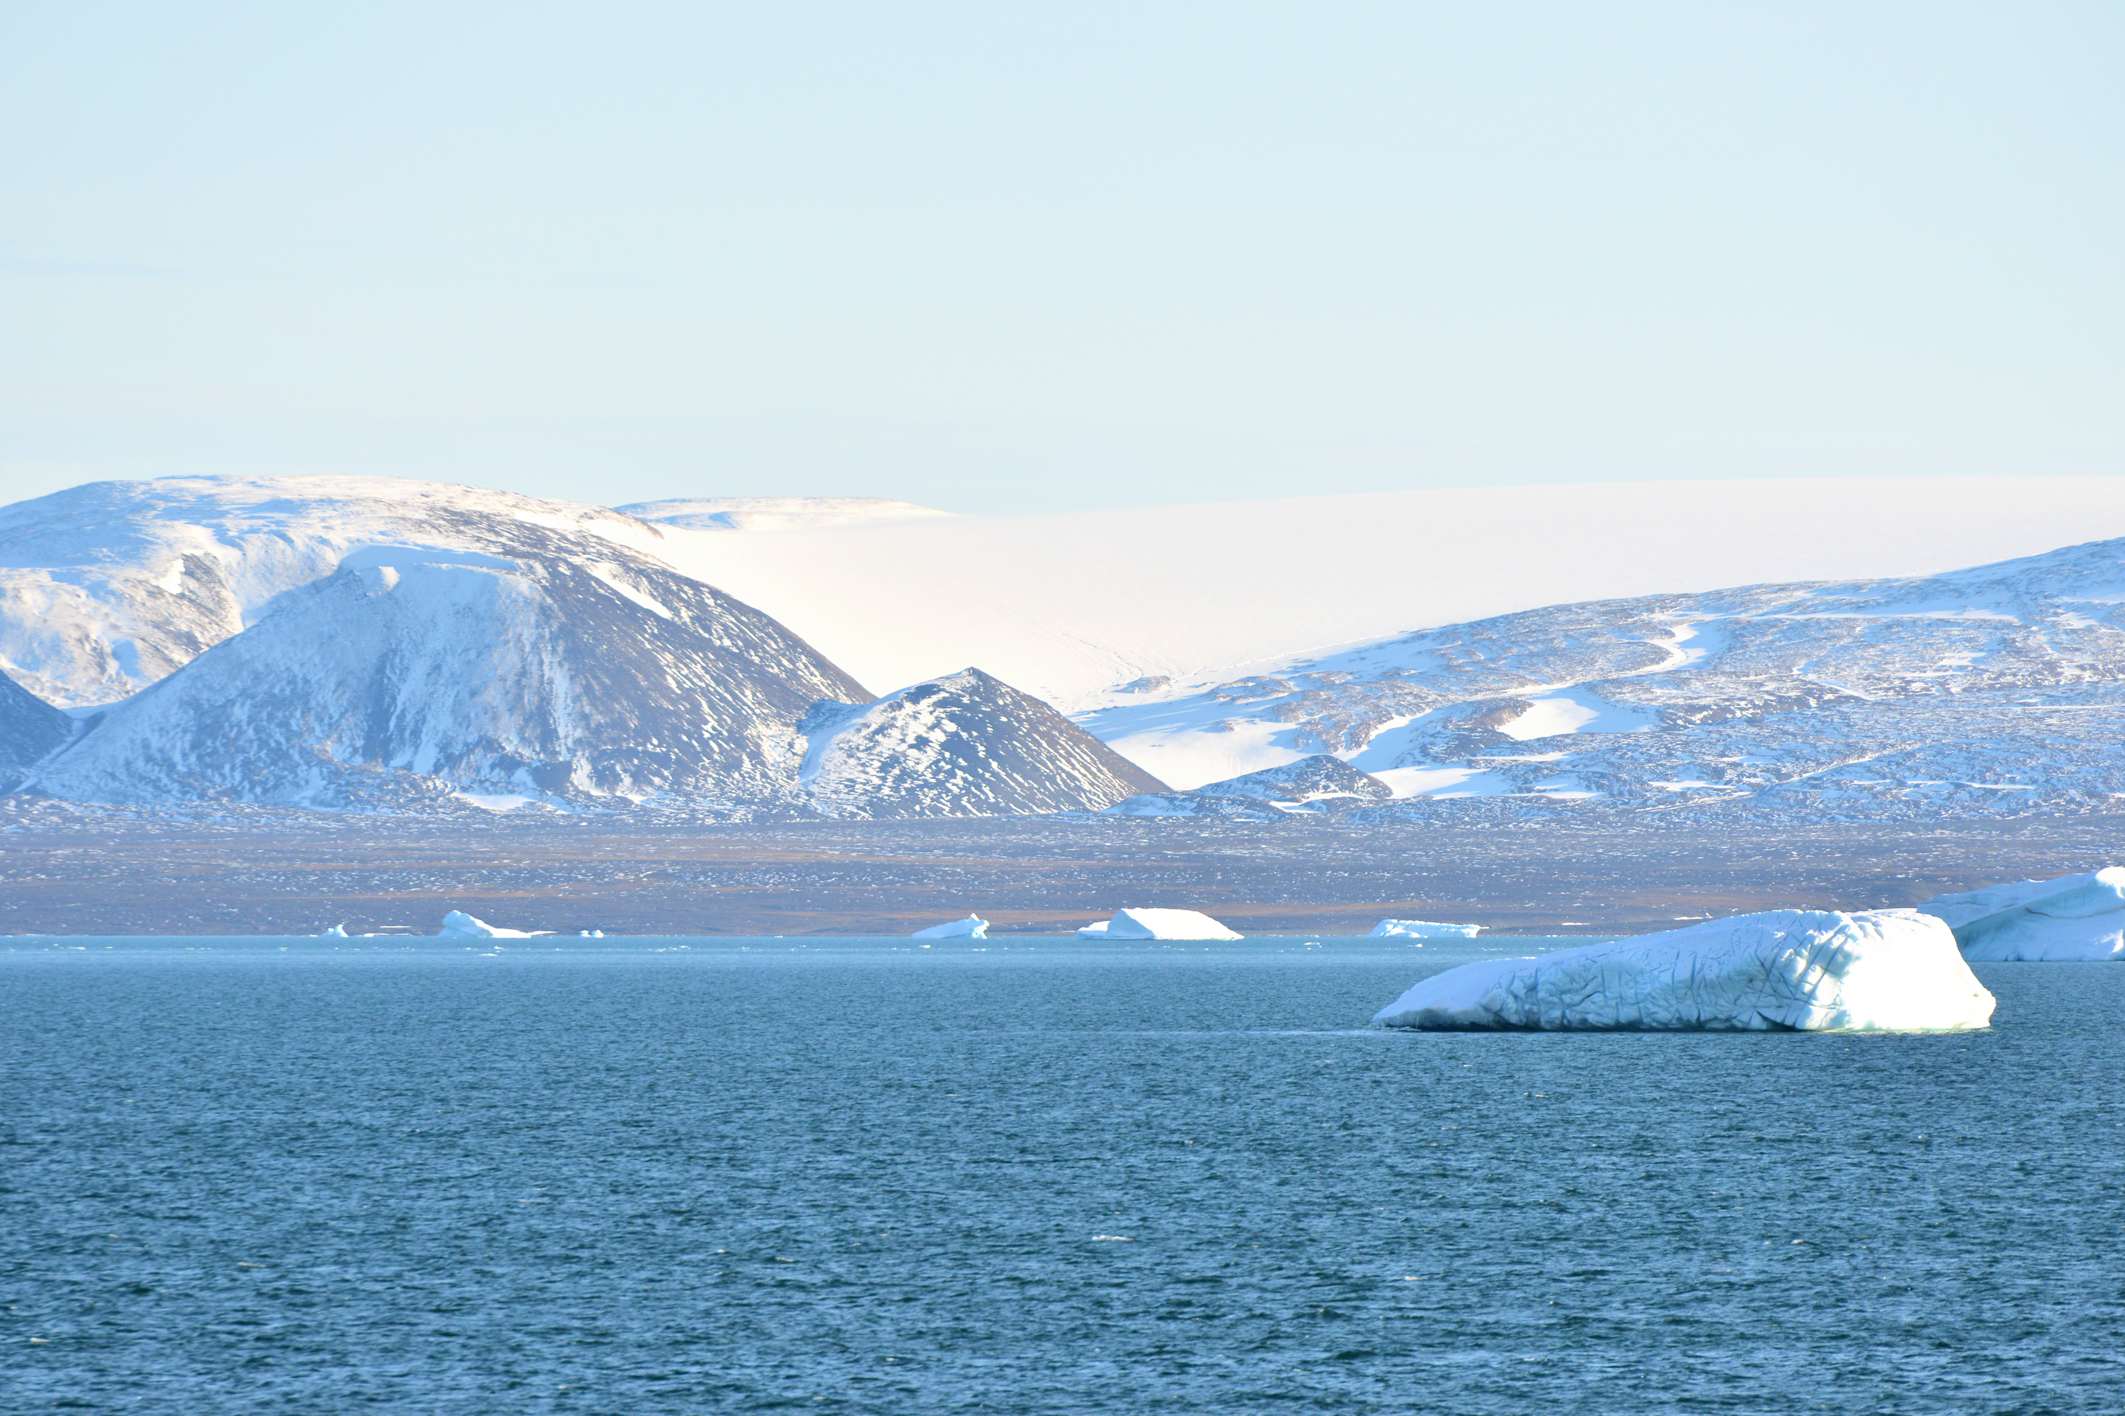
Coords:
1158,924
1993,690
779,513
965,745
1812,970
2076,917
1067,607
29,729
972,927
412,672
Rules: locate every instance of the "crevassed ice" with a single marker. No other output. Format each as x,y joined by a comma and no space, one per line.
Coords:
1812,970
2076,917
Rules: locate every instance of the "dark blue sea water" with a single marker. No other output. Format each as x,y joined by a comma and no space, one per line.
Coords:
1040,1176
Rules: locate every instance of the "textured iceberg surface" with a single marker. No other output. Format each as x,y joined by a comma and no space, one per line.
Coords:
459,925
1157,924
972,927
2074,917
1422,929
1814,970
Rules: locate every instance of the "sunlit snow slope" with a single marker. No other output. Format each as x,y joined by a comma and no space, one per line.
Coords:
964,745
413,672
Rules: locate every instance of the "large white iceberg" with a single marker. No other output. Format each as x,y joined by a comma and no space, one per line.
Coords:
1815,970
2073,917
459,925
1422,929
972,927
1157,924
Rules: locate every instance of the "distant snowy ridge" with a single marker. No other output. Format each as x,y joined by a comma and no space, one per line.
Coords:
1071,606
1311,786
1994,690
779,513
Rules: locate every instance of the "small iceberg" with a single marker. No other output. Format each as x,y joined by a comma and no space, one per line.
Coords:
1422,929
337,931
459,925
972,927
2073,918
1809,970
1157,924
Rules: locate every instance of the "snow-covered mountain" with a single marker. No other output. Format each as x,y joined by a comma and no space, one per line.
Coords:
412,672
1998,689
109,587
779,513
1068,606
964,745
30,728
1311,786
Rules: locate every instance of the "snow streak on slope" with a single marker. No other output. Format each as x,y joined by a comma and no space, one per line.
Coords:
966,745
414,672
1068,606
1999,689
779,513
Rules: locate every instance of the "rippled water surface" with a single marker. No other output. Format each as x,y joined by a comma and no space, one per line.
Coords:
1040,1176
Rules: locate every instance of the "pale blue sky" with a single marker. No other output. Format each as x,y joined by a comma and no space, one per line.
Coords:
1044,256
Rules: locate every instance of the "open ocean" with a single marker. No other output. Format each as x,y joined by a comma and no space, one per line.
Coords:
1026,1175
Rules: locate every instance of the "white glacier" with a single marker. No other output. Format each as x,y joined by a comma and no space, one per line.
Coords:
1157,924
2076,917
1422,929
1809,970
972,927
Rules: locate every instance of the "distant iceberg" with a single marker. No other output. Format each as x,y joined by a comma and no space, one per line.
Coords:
1811,970
337,931
972,927
459,925
1422,929
2076,917
1157,924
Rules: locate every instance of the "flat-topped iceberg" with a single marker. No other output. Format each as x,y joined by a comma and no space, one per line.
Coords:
2076,917
972,927
1422,929
1811,970
459,925
1157,924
